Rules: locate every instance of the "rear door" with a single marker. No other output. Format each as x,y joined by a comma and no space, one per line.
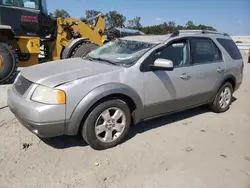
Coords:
207,68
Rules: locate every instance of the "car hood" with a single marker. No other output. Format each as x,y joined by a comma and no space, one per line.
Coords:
55,73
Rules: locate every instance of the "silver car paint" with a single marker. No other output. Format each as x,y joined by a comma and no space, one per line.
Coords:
97,94
78,89
85,82
59,72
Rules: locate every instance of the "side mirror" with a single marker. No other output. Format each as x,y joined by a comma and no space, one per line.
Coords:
163,64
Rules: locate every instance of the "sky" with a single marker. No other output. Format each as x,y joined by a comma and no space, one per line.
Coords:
230,16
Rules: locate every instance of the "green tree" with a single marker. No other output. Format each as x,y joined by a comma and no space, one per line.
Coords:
90,14
155,29
135,23
114,19
190,25
180,27
170,26
60,13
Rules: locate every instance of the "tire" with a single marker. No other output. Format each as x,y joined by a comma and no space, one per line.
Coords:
8,63
101,141
216,105
83,49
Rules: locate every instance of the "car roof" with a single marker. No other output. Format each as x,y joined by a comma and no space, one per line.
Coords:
155,39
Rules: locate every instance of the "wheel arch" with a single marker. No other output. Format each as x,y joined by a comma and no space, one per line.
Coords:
6,32
100,94
226,78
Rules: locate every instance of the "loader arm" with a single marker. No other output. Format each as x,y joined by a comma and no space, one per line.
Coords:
69,29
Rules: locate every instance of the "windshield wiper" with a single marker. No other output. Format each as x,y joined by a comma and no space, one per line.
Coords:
101,59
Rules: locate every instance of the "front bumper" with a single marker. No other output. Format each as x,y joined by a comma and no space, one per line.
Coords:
41,119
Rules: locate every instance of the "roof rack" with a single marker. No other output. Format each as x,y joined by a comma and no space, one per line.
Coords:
177,32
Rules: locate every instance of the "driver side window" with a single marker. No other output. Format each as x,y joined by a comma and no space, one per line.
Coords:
177,52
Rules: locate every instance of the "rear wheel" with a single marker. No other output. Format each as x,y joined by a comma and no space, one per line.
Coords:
8,63
83,49
223,98
107,124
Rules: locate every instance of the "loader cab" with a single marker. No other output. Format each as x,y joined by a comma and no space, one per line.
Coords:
26,17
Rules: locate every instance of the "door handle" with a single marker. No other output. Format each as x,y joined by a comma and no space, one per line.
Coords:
219,70
185,76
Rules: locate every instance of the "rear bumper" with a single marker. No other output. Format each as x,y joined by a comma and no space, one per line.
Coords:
237,86
41,119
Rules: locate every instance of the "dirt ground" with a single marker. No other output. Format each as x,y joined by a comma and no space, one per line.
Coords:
192,149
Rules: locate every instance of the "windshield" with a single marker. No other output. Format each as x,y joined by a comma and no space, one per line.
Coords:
120,52
21,3
44,7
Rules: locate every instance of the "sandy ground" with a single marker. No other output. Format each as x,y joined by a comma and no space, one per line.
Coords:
192,149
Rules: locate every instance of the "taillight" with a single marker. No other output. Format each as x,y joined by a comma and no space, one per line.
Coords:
242,67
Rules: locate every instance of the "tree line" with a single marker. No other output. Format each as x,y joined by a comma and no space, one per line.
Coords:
116,19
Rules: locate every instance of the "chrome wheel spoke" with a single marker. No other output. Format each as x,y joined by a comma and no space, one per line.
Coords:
228,95
117,115
224,104
221,102
110,124
222,94
106,115
100,129
225,97
119,127
108,136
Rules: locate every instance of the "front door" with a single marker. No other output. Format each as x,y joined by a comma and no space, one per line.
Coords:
165,89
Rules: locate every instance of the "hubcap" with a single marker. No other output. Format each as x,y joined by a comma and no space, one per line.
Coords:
225,97
1,62
110,125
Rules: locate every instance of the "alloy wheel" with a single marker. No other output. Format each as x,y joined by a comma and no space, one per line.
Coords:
225,97
110,125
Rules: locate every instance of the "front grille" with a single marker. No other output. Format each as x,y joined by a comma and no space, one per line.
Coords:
22,85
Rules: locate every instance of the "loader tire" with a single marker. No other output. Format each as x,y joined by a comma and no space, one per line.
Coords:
8,63
83,49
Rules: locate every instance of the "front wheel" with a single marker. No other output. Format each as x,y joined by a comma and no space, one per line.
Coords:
107,124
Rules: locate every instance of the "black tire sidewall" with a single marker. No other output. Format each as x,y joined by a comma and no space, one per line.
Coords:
216,104
88,129
9,62
83,49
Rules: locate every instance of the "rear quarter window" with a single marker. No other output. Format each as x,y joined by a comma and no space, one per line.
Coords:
231,48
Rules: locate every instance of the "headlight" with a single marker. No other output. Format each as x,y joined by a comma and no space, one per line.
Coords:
48,95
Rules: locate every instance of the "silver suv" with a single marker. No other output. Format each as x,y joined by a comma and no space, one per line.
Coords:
126,81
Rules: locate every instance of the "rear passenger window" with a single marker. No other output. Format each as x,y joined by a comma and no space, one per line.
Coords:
204,51
231,48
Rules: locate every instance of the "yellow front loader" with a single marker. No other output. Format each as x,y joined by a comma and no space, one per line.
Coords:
28,36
